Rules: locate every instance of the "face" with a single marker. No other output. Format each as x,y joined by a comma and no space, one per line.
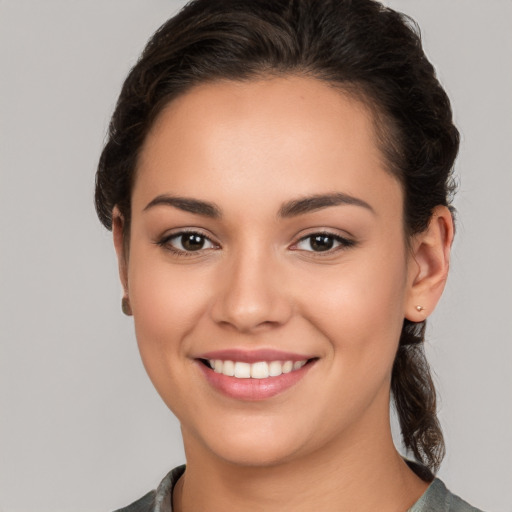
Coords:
267,269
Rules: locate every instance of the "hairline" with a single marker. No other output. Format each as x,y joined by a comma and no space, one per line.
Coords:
355,90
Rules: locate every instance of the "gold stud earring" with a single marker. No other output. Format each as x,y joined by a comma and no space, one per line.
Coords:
125,306
419,308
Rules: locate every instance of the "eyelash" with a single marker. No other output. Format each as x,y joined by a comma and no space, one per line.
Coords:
344,243
165,242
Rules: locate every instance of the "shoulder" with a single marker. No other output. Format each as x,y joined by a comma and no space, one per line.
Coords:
438,498
159,500
144,504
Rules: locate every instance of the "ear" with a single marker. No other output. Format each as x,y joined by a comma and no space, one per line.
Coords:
429,262
118,224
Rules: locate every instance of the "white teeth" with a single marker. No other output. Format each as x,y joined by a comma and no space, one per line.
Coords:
228,368
243,370
275,368
287,367
259,370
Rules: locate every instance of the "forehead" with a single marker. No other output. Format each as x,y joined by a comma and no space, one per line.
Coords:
266,138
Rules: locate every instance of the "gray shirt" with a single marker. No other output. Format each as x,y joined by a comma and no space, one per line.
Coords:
437,498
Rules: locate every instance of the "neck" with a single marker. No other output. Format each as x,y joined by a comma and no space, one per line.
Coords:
356,473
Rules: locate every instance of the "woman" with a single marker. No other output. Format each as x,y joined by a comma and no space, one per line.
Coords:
278,181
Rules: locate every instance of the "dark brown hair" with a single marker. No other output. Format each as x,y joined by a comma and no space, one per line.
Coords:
357,45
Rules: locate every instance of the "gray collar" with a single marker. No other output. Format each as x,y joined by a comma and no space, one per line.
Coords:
437,498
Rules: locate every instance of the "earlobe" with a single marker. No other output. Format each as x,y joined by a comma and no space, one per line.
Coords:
429,264
118,224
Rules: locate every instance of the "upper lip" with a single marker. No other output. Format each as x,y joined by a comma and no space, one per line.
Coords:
254,356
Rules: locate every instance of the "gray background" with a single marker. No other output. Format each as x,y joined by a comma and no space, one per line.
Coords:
81,428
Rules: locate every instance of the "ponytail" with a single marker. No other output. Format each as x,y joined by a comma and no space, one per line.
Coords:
414,396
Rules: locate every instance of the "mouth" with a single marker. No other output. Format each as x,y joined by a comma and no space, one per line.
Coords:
253,376
257,370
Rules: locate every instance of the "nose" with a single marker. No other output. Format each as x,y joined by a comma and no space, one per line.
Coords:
252,295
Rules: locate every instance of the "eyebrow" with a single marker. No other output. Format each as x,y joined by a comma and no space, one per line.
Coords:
186,204
289,209
318,202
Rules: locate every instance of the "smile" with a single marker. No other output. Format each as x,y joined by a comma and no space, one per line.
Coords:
253,375
257,370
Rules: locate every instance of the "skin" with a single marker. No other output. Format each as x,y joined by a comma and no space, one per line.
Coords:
324,444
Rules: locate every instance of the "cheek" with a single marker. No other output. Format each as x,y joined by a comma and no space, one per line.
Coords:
359,305
167,303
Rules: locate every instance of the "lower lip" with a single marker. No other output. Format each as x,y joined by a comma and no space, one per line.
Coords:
253,389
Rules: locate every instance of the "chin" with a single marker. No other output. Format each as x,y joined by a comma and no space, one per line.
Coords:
252,446
255,454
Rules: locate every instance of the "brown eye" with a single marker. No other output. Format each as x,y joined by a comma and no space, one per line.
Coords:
187,242
323,242
192,241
